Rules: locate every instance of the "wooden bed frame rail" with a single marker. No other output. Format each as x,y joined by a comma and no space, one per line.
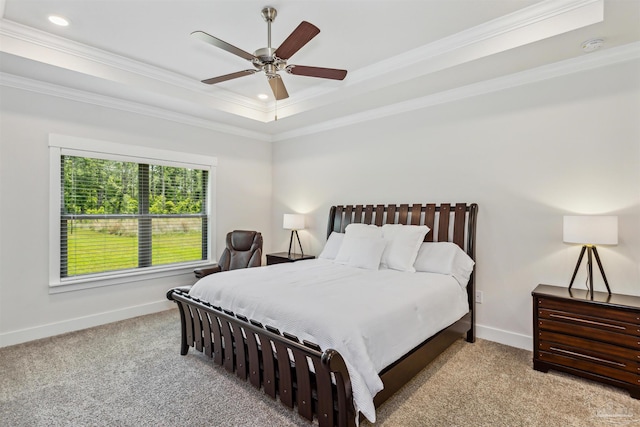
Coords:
300,374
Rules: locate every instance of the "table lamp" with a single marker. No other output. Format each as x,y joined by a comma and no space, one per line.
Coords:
590,231
293,222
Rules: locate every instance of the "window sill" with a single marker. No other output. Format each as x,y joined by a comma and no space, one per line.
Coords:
96,281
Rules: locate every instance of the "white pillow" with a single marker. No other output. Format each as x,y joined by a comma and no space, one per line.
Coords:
403,242
445,258
361,252
363,230
332,246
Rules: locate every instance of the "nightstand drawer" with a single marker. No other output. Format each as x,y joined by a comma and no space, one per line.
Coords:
577,319
591,310
577,329
604,367
621,357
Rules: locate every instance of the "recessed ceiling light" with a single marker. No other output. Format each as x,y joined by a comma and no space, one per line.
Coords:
58,20
263,96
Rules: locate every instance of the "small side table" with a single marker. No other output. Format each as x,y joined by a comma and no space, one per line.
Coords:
594,336
281,257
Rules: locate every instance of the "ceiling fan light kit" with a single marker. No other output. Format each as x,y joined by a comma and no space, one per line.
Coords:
271,60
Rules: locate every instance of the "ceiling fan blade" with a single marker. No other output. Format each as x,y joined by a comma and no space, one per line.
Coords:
208,38
323,73
298,38
226,77
277,86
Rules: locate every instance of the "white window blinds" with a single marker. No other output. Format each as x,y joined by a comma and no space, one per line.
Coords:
123,210
118,215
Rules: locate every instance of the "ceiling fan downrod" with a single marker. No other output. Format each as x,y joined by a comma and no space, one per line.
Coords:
269,14
266,55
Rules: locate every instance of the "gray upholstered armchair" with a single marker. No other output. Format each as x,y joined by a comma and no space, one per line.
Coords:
244,249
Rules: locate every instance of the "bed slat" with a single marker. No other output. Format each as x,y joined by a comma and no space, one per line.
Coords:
285,386
189,324
303,382
197,330
379,215
429,220
228,346
268,366
443,223
357,217
347,217
368,214
391,214
254,359
325,395
217,339
241,353
403,216
415,214
206,329
458,224
338,225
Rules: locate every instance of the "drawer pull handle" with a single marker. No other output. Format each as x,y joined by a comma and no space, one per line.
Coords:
597,359
591,322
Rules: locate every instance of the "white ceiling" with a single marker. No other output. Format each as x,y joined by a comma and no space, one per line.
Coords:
139,54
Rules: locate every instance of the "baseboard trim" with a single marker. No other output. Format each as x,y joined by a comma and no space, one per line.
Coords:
500,336
511,339
78,323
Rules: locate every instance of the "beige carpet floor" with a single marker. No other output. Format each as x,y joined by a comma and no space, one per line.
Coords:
130,373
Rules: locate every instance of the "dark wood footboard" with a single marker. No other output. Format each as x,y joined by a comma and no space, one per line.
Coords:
300,374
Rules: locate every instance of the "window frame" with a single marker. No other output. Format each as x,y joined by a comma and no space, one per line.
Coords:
60,145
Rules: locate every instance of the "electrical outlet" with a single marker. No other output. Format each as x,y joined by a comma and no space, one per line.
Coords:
478,297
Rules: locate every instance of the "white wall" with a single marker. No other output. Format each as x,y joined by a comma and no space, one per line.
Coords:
27,309
527,156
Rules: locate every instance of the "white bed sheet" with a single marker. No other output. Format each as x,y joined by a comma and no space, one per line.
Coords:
371,317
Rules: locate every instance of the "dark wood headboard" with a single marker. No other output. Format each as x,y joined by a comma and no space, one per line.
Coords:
447,222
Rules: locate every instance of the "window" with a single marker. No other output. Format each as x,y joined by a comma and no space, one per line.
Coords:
119,214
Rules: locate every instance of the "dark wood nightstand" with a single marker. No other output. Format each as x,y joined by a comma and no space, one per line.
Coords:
596,338
280,257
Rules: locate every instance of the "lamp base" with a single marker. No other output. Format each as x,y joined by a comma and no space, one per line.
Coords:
291,243
591,251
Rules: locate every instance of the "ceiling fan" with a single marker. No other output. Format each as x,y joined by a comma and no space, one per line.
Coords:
272,60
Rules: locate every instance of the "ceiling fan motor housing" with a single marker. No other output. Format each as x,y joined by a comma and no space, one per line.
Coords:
266,55
265,59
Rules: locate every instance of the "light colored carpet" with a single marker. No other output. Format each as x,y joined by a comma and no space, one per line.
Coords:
130,373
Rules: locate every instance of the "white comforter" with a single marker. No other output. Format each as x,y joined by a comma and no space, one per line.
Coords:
370,317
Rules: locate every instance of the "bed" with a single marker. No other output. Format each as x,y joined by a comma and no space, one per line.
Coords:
299,365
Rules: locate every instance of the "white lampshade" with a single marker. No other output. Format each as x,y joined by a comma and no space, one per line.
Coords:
293,222
590,230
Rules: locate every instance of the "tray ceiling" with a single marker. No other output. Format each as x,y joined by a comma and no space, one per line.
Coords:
139,52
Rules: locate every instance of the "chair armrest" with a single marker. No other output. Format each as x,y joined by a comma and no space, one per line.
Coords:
201,272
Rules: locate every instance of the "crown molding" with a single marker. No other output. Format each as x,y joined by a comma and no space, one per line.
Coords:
591,61
551,16
23,83
94,55
599,59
